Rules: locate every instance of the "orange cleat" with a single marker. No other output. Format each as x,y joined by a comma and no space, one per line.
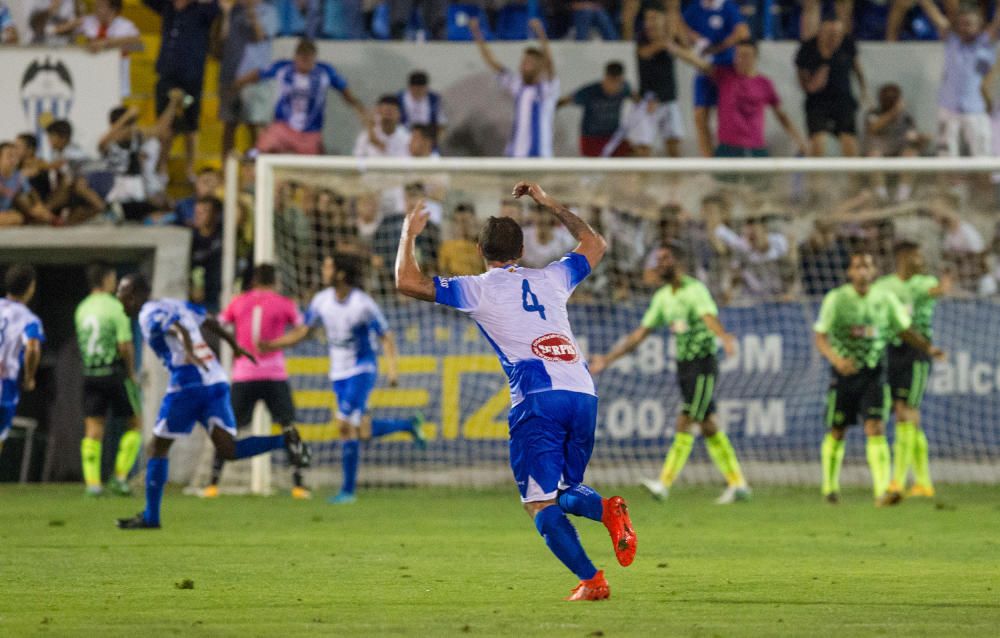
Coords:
921,491
594,589
209,491
616,519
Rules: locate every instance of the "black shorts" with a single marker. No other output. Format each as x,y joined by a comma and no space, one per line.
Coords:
104,394
188,120
909,370
832,116
276,395
864,394
697,381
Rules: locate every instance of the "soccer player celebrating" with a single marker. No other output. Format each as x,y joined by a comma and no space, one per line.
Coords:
553,416
198,390
686,306
856,322
258,315
21,338
351,318
104,334
909,368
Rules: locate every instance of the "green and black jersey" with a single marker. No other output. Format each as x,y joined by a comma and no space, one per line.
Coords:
860,327
101,324
915,295
683,311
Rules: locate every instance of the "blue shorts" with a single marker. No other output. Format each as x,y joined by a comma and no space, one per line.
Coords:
10,395
6,419
551,440
705,92
352,396
209,405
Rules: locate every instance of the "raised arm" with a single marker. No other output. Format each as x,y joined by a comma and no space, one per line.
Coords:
622,347
111,135
484,49
543,40
410,281
687,55
592,245
937,17
740,33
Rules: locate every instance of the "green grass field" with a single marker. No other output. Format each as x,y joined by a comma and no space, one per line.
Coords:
449,562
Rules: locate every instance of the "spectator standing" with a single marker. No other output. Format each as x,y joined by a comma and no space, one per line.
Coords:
535,89
45,17
460,255
593,14
106,28
744,94
247,29
890,131
419,105
715,27
603,103
8,29
433,14
545,241
206,253
825,63
384,135
303,83
968,56
422,141
658,116
186,28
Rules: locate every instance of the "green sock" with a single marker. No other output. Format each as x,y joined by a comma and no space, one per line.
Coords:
128,450
724,456
90,457
921,460
832,453
877,450
676,457
902,453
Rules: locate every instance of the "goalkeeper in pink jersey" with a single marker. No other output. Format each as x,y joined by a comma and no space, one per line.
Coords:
261,314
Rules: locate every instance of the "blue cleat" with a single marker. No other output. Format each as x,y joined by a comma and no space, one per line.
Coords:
344,498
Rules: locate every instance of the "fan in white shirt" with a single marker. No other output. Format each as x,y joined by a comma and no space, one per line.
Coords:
105,29
385,136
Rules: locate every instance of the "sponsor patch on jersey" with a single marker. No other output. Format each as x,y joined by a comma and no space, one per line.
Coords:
864,332
555,347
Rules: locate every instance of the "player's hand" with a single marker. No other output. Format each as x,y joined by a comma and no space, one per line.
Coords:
244,353
531,189
845,367
728,344
265,347
416,220
28,384
937,353
598,363
537,27
393,379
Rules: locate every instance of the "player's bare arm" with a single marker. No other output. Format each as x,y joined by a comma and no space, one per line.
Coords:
727,339
918,341
842,365
945,283
538,28
287,340
32,357
592,244
689,56
391,358
211,324
127,352
625,345
410,281
189,356
484,50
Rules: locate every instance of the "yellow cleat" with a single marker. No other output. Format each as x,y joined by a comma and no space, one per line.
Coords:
921,491
888,499
894,486
301,493
209,491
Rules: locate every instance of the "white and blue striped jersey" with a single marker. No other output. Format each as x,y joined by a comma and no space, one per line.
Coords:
301,96
155,320
18,325
351,326
534,115
522,313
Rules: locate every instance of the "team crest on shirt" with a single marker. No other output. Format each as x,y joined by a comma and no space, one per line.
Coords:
555,347
864,332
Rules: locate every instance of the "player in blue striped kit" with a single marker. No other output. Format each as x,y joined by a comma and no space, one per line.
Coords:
522,314
21,338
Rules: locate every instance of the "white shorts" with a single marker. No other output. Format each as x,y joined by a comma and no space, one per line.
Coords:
647,126
974,128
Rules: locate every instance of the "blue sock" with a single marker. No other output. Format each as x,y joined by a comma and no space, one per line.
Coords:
562,539
254,445
581,500
381,427
349,451
156,479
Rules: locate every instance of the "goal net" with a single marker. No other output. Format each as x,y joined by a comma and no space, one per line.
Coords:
768,237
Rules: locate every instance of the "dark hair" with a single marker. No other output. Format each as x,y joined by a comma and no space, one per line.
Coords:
30,140
18,279
97,271
905,246
501,239
116,5
264,275
424,129
389,99
859,252
139,284
614,69
678,250
418,78
534,52
305,47
214,202
62,128
465,207
208,169
352,266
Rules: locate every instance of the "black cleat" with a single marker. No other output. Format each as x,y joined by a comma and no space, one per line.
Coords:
299,453
833,498
136,522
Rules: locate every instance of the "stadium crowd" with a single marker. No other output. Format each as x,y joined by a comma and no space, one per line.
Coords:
124,179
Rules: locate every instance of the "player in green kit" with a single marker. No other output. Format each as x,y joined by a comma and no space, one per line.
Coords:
104,334
856,322
910,368
686,306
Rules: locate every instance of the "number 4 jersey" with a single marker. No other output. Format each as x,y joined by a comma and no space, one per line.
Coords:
522,313
156,318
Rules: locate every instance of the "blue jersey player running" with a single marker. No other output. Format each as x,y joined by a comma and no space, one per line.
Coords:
522,313
21,338
198,390
352,322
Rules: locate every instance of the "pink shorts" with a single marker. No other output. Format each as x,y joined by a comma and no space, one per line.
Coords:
278,137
